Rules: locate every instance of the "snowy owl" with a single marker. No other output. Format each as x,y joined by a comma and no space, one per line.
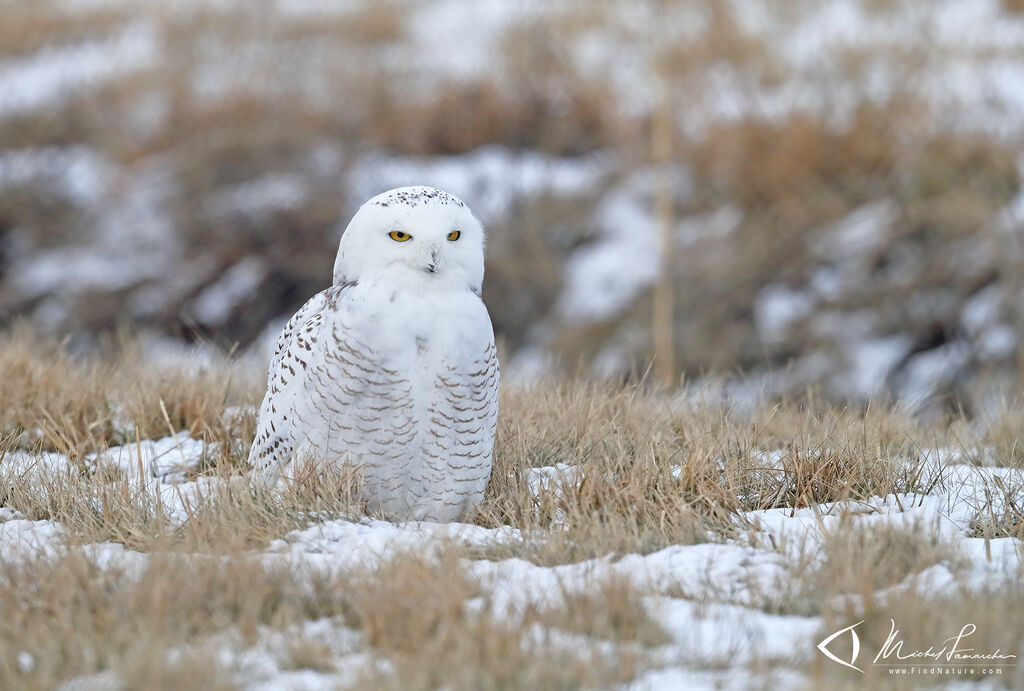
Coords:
392,371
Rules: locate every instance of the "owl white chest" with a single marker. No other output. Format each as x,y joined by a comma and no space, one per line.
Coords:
417,331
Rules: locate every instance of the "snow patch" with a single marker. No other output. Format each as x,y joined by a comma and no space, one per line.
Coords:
870,362
256,197
239,283
21,539
604,277
777,309
50,77
490,179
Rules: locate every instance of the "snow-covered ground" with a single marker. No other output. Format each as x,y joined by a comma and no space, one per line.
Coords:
714,599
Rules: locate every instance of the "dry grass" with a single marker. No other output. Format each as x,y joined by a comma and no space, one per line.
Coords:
848,567
420,614
922,621
438,628
862,558
1001,514
653,469
231,514
608,609
794,177
27,26
1004,434
77,405
78,619
413,611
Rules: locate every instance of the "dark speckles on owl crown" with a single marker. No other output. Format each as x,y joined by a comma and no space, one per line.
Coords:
414,196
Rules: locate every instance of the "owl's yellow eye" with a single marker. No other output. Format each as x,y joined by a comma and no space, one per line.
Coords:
399,236
454,235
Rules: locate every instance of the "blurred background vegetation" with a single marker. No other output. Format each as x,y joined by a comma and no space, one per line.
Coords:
843,177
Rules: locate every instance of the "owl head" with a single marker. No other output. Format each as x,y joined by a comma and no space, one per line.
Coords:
416,235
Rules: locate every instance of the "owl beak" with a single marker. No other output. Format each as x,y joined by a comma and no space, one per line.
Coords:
432,263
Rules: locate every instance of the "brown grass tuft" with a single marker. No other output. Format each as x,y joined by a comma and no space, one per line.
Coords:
77,405
609,609
1001,514
862,557
74,618
648,470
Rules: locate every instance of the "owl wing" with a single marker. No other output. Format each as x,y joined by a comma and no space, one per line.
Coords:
463,422
274,442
